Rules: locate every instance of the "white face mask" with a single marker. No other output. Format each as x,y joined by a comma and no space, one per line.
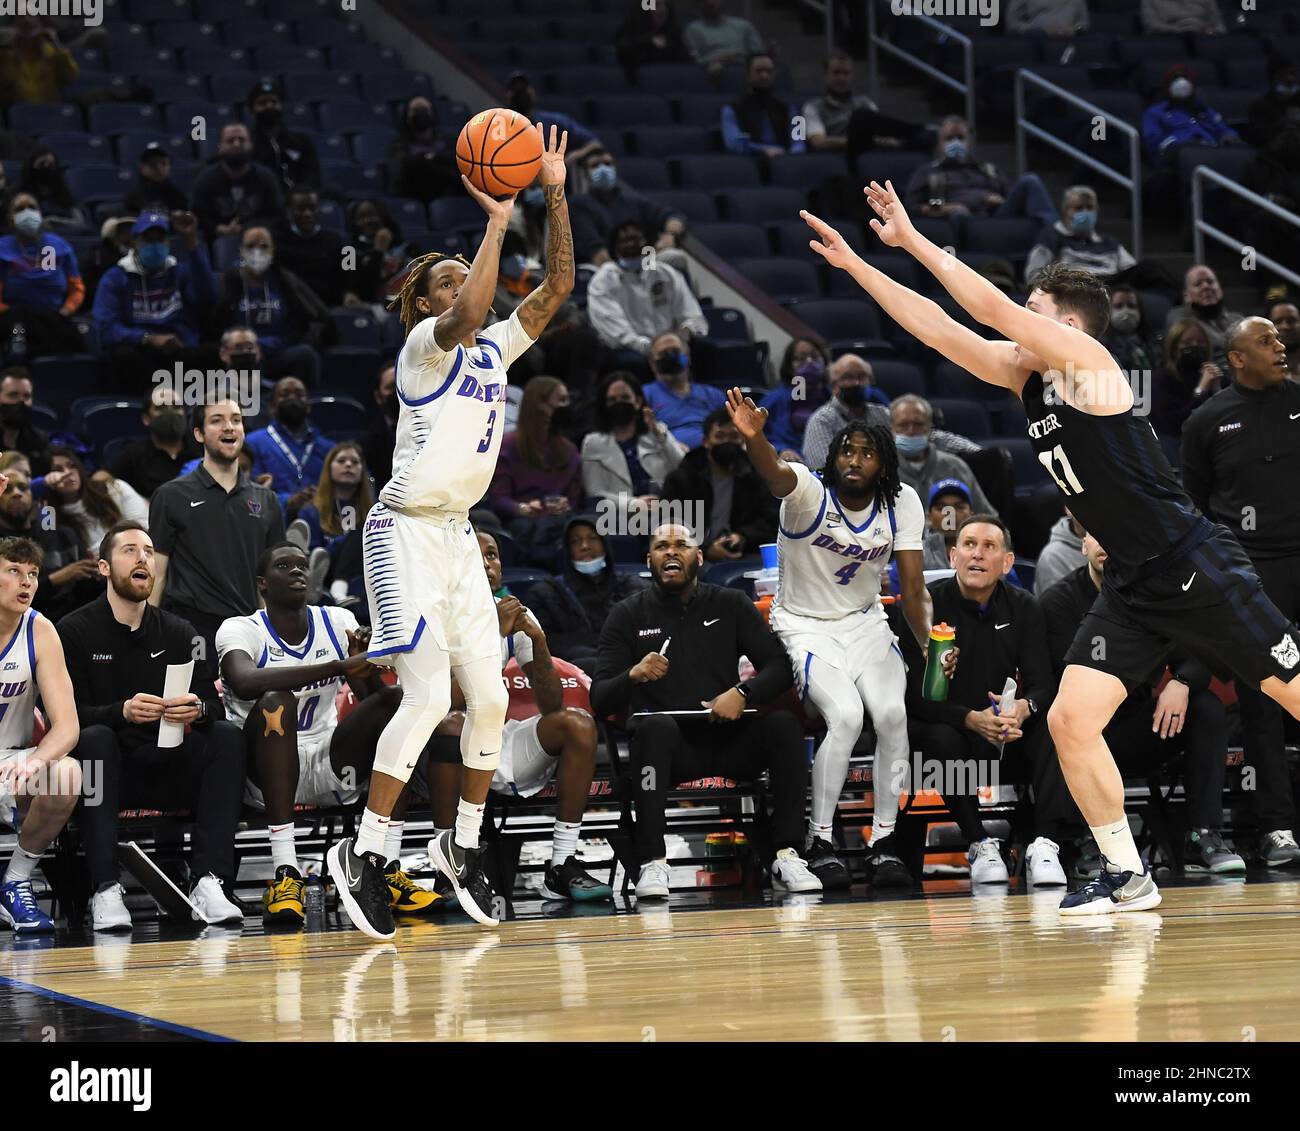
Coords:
1180,88
27,221
257,260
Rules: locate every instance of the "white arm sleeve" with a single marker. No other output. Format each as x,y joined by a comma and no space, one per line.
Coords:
909,519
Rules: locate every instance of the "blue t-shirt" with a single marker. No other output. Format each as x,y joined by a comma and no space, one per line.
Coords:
640,480
684,416
35,273
261,307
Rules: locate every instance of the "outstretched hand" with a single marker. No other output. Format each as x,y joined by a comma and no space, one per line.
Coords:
553,167
832,246
498,210
894,226
745,414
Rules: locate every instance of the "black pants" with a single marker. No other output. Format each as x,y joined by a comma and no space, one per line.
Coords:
1029,759
205,624
666,751
205,774
1262,720
1204,741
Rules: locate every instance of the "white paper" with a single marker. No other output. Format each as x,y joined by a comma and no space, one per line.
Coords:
176,683
1007,703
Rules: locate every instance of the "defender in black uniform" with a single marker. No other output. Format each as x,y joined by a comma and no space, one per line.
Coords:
1173,577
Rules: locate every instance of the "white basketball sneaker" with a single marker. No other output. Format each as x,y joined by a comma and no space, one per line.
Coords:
1043,864
108,910
791,873
652,883
986,863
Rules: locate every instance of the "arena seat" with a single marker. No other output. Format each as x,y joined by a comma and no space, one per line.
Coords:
673,79
630,111
697,207
763,205
843,321
896,378
726,324
702,109
965,417
667,142
78,148
646,174
786,280
731,241
715,173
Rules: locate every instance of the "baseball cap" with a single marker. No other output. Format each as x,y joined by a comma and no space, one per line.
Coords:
154,149
949,487
147,220
266,86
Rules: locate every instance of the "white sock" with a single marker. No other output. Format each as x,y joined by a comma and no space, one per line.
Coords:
393,841
819,832
370,837
469,819
1117,845
881,829
564,840
20,865
283,849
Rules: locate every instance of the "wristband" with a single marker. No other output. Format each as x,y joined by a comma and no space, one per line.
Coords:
744,691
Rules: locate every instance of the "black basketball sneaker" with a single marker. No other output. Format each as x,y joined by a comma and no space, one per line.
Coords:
362,889
463,867
826,866
884,867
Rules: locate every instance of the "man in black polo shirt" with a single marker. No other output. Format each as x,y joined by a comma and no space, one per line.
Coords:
1241,466
669,656
210,528
1000,633
155,459
118,648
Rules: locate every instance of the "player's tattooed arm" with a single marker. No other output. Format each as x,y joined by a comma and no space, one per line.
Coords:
536,311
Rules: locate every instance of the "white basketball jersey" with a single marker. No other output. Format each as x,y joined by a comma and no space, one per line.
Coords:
327,639
832,558
18,685
452,416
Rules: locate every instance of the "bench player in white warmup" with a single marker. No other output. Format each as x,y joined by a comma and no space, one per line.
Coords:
431,610
39,784
835,538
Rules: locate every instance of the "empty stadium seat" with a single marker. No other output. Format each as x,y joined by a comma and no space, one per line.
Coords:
1010,238
394,85
338,416
731,241
44,117
319,86
60,379
630,111
763,205
352,115
1026,469
673,79
697,207
105,422
726,324
786,280
806,171
843,322
78,148
645,174
672,141
896,378
90,183
965,417
702,109
356,327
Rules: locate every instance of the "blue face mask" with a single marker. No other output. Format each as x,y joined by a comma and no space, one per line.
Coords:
630,263
590,568
534,197
911,445
1083,221
604,177
955,149
152,256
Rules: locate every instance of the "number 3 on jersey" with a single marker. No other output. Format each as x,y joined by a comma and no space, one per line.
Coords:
1067,481
487,440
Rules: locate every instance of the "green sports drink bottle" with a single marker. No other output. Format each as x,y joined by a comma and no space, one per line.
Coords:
934,686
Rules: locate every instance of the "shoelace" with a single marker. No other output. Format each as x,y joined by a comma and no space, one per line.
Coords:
25,898
1283,838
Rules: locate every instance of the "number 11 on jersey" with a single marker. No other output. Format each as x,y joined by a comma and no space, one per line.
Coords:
1067,481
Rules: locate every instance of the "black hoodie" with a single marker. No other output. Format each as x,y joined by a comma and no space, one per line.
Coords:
754,509
572,608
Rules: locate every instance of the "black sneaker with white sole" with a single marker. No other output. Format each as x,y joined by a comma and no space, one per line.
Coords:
826,866
884,867
570,881
463,867
363,891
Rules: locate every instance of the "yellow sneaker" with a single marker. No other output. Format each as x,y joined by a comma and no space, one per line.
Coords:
406,897
282,900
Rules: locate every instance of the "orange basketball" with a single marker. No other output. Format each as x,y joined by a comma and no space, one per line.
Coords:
499,151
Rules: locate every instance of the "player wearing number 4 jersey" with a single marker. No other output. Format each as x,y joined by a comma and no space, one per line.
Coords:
1172,577
430,606
836,536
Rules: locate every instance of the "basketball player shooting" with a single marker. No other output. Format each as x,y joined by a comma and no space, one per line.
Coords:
1172,576
431,609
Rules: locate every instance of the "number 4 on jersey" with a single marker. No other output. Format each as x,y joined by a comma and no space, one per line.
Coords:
846,573
1067,481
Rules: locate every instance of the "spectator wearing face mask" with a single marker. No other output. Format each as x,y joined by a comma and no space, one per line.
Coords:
152,460
1173,17
420,166
1131,340
636,297
290,449
802,391
17,433
852,397
312,252
1182,119
284,311
154,190
1075,242
680,403
382,250
149,306
43,178
1187,378
382,436
630,453
234,191
921,463
956,184
608,203
289,155
1203,304
538,479
40,286
1278,108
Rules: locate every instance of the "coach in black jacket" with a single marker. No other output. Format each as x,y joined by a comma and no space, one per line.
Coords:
1241,466
676,647
1000,633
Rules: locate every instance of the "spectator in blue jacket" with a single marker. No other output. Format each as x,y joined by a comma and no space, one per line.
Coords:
289,449
40,285
804,388
1182,119
760,122
678,402
149,306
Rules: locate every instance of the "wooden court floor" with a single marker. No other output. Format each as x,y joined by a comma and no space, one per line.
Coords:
1216,962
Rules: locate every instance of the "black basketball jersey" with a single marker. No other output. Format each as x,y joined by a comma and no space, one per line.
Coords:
1115,479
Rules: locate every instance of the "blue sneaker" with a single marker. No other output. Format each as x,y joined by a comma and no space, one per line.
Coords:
18,908
1113,891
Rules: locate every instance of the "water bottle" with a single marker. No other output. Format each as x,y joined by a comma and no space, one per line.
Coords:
17,353
313,900
934,686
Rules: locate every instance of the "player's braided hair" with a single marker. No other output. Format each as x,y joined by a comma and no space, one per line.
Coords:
417,273
881,440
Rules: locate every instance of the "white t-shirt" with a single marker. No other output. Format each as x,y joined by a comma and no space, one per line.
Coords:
326,640
832,558
452,416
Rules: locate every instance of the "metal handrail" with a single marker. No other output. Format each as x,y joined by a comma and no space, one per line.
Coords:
1201,228
827,10
876,42
1132,182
